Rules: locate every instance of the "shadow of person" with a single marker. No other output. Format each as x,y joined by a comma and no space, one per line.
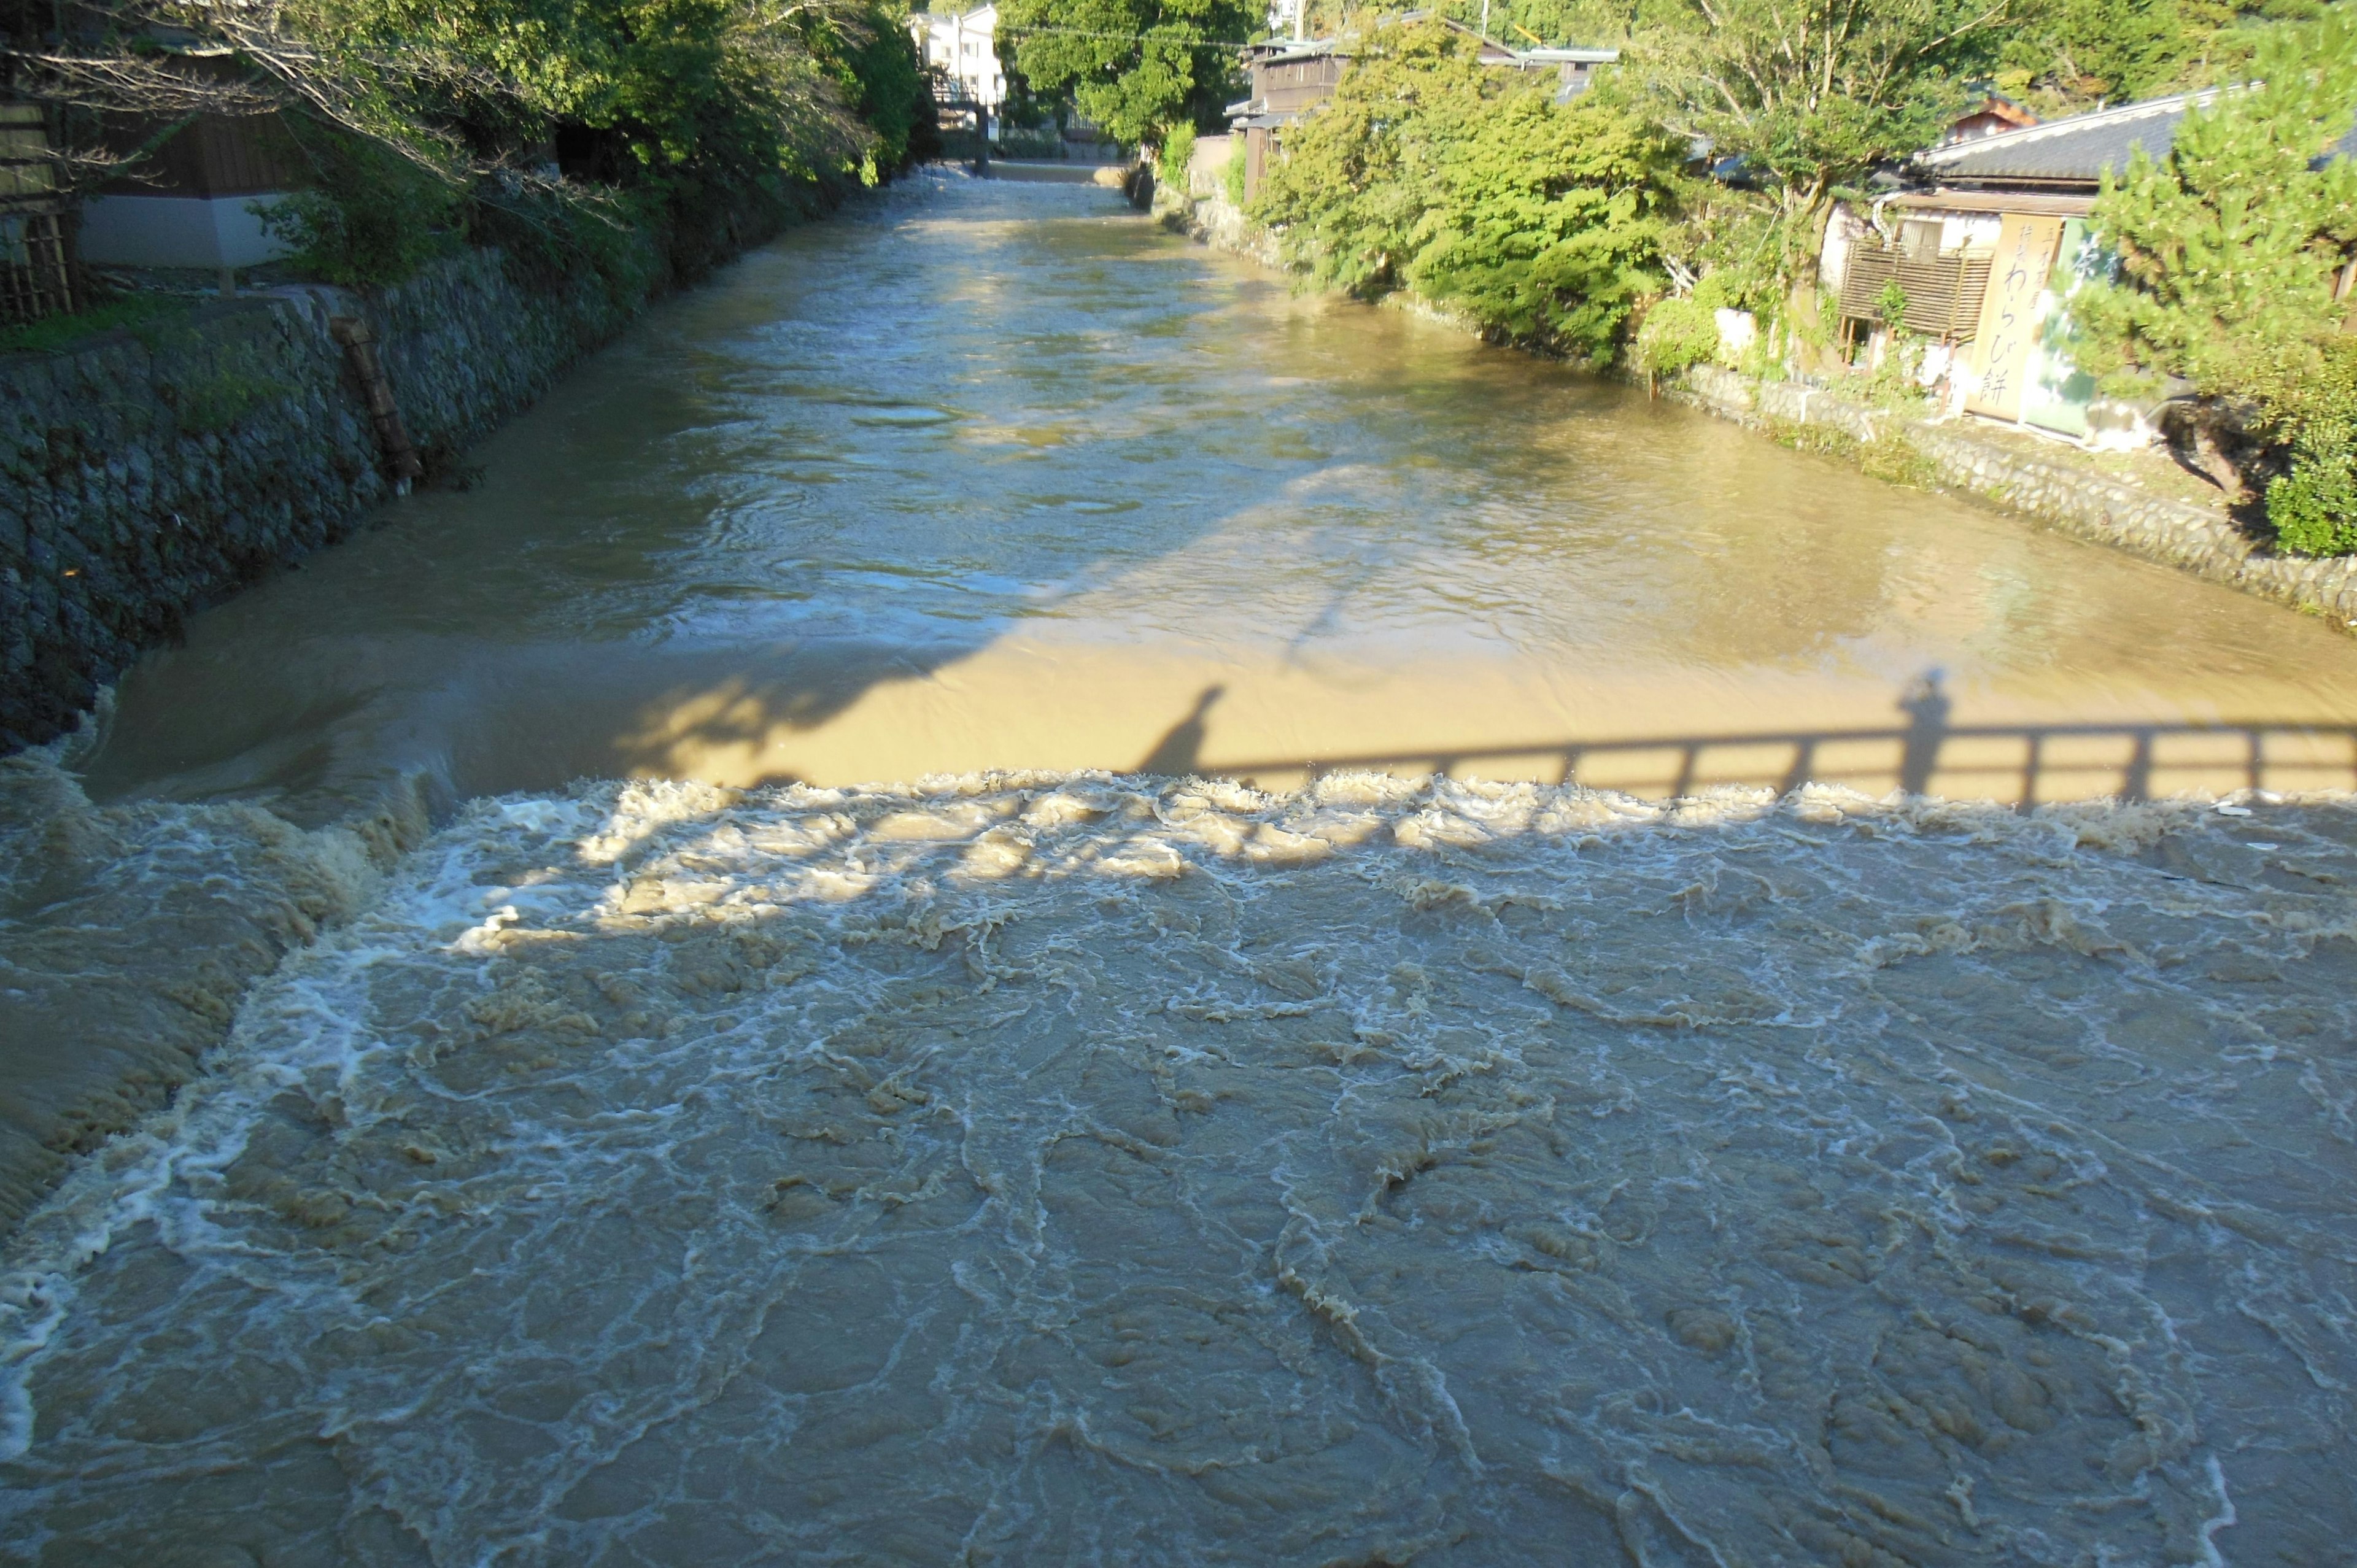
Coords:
1926,707
1179,752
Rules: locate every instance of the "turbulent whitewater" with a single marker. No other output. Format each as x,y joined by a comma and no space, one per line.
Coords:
1063,1169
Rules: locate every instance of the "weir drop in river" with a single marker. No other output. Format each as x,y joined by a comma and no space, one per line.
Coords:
1662,1136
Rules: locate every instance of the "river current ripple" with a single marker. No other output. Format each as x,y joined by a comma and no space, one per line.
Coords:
1071,1171
1070,1165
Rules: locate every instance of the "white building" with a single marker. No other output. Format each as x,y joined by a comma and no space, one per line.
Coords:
960,48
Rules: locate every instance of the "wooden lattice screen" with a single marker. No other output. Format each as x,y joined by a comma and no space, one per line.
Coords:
36,260
1943,289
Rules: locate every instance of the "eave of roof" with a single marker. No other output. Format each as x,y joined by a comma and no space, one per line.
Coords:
2035,204
2073,151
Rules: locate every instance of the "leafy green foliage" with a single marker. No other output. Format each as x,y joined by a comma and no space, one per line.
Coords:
131,311
2228,246
425,122
214,403
2057,56
1542,221
2314,506
876,67
1813,93
1676,335
1890,305
1135,67
371,217
2228,250
1177,151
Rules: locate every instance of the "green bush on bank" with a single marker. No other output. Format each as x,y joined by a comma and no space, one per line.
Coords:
370,214
1676,336
2313,507
1177,151
131,311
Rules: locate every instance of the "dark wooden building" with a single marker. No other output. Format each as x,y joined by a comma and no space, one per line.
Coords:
189,200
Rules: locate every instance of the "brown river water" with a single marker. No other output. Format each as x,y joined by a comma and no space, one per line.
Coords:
832,1089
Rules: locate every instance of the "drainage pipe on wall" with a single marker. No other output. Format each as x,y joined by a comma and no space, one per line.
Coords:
391,436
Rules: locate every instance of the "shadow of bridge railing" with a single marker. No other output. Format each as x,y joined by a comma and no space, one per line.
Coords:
2026,764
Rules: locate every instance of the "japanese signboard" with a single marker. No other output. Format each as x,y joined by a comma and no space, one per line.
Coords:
2055,391
2009,313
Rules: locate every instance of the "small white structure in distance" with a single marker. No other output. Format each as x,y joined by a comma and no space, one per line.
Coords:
960,45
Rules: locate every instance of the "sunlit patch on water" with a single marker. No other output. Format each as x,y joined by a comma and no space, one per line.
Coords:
1059,1169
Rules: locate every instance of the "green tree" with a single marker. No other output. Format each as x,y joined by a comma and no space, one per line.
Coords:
1811,94
1474,187
1134,66
2230,246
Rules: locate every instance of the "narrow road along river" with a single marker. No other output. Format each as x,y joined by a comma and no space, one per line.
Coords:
1034,1166
1002,476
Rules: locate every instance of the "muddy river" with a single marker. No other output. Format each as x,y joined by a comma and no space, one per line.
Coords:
1002,895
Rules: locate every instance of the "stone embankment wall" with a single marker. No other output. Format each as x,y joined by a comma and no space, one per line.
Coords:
1203,211
2071,495
147,472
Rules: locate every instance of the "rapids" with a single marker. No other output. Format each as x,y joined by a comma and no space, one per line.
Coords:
1073,1171
1567,1096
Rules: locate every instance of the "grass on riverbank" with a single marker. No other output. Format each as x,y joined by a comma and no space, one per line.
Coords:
54,334
1889,457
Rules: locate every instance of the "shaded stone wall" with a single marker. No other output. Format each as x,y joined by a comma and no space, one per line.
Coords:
150,471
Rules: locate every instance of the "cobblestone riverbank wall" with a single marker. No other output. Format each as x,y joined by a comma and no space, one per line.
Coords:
2059,489
147,472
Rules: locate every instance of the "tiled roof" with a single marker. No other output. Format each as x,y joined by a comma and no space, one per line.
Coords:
2077,150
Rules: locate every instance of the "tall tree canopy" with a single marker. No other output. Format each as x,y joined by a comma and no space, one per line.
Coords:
1135,67
1813,93
1544,221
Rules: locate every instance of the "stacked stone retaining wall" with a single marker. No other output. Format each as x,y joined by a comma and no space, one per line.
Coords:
147,472
2060,490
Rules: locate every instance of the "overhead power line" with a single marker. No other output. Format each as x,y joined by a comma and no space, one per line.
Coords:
1018,27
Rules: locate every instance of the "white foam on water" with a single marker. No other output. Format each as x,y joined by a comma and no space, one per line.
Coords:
1045,1167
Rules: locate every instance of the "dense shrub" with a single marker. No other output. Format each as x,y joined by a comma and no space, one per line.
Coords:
370,215
1542,221
2229,247
1676,335
2314,506
1137,67
1177,151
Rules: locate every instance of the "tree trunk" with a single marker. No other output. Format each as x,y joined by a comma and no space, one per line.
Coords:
2207,438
